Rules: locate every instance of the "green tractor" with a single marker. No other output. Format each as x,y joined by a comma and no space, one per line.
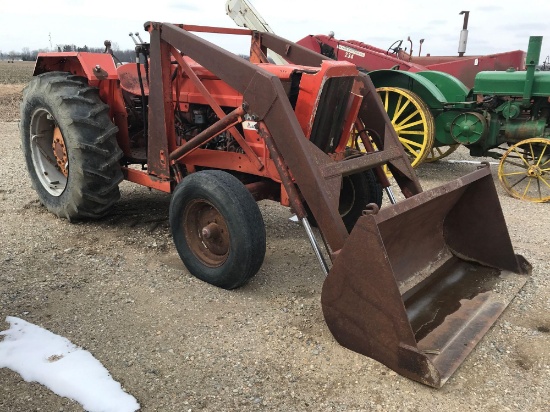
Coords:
506,116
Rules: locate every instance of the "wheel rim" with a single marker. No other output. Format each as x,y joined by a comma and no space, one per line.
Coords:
438,153
412,121
206,232
524,170
48,153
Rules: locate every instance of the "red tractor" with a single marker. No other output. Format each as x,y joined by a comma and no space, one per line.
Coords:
219,132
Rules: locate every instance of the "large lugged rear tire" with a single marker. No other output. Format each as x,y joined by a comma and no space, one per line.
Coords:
217,228
70,148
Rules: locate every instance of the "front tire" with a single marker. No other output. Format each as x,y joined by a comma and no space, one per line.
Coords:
357,192
70,148
217,228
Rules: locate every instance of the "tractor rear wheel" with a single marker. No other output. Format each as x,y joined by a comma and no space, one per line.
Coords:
217,228
440,152
412,120
70,147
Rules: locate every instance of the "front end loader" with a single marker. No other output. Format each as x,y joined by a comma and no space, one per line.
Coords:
414,285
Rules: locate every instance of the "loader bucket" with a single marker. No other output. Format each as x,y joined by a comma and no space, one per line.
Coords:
419,283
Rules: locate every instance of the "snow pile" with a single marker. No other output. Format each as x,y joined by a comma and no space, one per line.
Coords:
39,355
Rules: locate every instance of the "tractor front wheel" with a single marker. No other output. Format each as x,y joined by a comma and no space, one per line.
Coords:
524,170
217,228
70,148
357,192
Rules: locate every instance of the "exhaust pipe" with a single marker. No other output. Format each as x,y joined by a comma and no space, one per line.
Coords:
463,34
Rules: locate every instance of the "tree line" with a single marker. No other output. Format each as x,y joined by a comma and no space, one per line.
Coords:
30,55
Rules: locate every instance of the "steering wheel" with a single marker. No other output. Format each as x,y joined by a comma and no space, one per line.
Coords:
395,49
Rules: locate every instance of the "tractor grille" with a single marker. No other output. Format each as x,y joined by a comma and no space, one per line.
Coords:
329,117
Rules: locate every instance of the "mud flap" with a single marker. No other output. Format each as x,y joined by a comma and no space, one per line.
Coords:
418,284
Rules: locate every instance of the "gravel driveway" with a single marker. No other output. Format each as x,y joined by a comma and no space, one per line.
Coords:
117,288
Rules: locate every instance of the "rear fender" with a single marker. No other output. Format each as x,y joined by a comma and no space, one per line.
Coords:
413,82
451,87
93,66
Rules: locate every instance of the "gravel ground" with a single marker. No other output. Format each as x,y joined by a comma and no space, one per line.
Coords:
117,288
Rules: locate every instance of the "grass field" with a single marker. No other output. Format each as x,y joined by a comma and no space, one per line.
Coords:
16,72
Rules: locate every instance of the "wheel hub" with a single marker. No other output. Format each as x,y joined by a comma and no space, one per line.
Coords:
206,232
60,152
211,231
534,171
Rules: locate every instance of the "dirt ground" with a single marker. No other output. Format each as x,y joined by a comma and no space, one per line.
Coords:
117,288
13,77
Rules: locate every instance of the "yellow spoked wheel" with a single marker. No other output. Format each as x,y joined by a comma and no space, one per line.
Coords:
438,153
411,119
524,170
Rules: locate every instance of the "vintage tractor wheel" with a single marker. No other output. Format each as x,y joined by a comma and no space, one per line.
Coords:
411,119
70,147
357,192
438,153
217,228
524,170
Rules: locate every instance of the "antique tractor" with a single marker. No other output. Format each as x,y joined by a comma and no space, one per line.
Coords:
504,108
505,115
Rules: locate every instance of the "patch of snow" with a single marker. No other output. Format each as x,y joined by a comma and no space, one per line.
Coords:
39,355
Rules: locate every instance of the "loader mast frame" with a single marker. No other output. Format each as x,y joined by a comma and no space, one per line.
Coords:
317,175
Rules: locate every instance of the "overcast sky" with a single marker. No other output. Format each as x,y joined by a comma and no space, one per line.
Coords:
494,26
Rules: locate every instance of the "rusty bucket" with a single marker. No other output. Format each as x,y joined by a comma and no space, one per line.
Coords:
419,283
